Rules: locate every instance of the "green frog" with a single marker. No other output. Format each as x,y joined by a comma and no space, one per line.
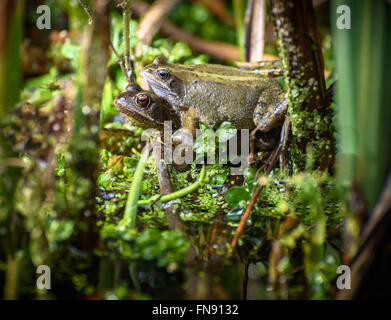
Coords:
215,93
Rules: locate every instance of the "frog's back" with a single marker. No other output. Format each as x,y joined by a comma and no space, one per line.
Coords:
217,71
216,102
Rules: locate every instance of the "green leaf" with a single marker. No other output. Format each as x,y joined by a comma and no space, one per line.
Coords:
104,180
60,230
249,175
220,178
225,131
206,141
40,96
204,127
107,108
179,51
69,50
237,194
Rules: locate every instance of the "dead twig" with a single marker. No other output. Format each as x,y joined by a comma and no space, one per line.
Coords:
272,161
87,10
270,164
213,48
151,22
255,22
126,24
216,49
219,9
165,184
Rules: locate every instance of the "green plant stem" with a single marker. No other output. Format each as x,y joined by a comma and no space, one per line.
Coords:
180,193
130,214
134,192
11,32
12,276
133,276
126,27
239,8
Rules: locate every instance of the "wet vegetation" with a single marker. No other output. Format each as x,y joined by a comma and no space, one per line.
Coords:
81,192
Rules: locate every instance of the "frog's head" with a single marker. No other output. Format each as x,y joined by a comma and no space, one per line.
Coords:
165,81
145,109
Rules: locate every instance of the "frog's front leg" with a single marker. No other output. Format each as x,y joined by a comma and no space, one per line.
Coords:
270,112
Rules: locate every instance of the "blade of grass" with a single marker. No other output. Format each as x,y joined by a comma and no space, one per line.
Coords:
180,193
239,9
129,219
11,30
363,113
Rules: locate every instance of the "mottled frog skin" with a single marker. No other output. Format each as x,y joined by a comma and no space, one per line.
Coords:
215,93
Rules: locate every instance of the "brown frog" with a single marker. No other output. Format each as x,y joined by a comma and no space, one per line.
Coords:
145,109
215,93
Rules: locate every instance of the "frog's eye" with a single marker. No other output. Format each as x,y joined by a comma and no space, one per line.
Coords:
163,73
142,100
